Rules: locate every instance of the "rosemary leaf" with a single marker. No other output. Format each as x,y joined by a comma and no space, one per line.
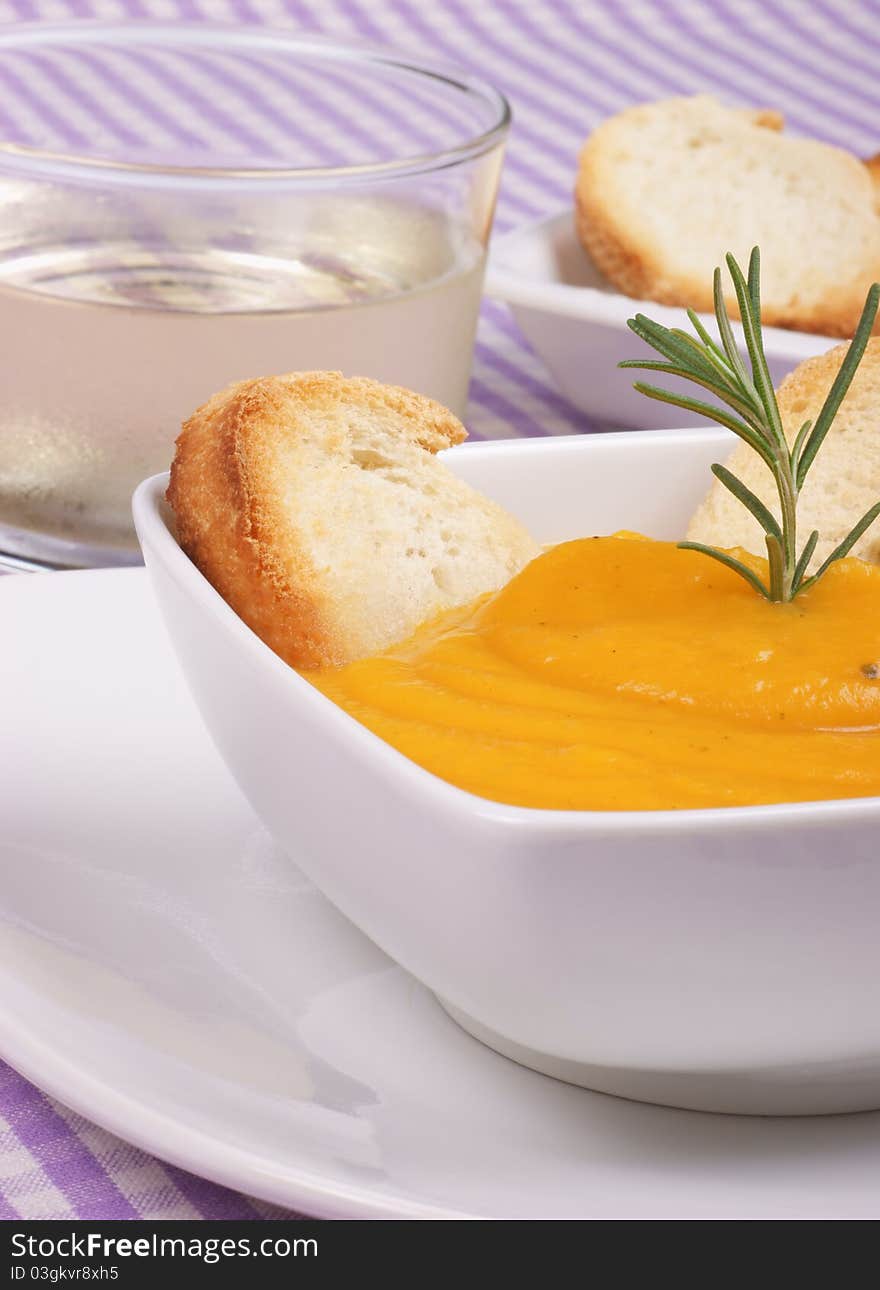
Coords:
708,341
726,379
754,344
755,287
709,410
750,500
731,398
776,558
725,331
662,339
805,558
730,562
798,446
841,384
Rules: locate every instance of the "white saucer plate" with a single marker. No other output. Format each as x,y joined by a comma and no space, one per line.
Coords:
165,971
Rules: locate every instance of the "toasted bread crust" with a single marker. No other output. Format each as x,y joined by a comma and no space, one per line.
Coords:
227,520
873,164
624,254
767,118
627,265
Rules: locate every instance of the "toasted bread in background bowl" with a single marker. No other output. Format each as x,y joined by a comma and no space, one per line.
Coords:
665,190
662,192
575,321
724,960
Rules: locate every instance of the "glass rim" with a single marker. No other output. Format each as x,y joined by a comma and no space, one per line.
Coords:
40,33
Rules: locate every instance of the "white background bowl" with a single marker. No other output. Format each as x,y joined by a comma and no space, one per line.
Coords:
719,959
576,323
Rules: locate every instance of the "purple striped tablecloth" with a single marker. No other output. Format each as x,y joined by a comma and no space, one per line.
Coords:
564,65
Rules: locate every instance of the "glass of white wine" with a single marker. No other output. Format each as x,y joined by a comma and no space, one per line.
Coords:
183,207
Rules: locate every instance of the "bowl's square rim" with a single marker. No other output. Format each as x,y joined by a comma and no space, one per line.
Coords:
154,523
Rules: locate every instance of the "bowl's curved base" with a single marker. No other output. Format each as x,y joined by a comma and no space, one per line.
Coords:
794,1090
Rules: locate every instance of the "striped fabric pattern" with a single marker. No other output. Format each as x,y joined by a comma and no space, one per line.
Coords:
564,64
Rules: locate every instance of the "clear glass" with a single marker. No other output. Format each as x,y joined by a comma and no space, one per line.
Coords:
182,207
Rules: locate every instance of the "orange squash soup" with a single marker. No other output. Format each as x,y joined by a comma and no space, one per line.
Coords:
621,673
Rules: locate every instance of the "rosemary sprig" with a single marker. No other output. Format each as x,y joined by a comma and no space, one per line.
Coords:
753,414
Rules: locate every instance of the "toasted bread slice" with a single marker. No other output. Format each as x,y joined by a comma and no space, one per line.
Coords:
844,480
666,189
316,506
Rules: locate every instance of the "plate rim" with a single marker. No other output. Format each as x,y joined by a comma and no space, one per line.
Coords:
177,1143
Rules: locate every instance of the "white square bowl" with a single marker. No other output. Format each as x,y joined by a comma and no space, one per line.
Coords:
576,323
718,959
